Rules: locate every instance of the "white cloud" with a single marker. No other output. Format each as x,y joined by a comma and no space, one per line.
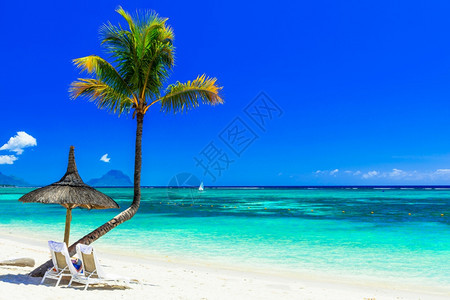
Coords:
7,159
397,173
370,174
442,172
326,172
105,158
18,142
334,171
394,175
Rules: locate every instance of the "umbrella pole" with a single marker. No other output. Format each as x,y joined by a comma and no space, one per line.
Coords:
67,230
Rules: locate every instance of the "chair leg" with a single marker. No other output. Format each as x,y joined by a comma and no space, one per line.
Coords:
43,278
87,284
59,280
70,282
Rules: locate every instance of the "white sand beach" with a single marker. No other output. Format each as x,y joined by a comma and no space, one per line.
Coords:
166,279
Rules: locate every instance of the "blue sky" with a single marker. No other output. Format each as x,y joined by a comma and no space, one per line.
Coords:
364,91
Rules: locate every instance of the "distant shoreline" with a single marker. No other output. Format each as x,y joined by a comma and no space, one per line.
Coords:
273,187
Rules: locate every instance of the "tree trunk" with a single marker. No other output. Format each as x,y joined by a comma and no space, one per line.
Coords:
120,218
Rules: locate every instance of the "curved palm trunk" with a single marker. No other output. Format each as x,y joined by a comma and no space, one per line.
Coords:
120,218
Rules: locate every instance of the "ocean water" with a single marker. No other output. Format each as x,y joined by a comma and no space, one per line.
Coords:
398,234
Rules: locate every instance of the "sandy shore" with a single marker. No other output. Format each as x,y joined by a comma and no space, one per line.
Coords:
165,279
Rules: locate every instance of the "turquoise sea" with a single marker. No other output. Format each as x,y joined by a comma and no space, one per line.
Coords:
389,233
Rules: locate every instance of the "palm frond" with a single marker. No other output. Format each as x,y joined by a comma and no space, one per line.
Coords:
121,45
104,96
127,17
157,65
103,71
181,97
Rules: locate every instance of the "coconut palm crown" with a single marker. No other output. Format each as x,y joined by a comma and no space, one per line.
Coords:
142,59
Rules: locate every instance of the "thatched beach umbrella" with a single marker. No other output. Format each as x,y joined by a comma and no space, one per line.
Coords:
70,192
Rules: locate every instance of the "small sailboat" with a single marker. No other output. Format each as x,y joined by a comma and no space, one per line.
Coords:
201,188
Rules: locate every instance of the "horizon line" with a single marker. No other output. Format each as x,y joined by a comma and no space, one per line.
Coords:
258,186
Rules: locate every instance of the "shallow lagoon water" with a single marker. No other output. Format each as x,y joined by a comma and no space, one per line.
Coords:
383,233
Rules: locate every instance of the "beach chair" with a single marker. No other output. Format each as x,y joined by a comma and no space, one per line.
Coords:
92,272
62,264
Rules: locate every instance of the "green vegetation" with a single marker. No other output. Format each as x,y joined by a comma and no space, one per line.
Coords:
141,61
142,58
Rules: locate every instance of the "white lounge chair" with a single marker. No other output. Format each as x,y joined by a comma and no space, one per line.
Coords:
62,264
92,272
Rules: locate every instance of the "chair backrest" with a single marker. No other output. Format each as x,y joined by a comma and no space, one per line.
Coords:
90,260
60,256
60,260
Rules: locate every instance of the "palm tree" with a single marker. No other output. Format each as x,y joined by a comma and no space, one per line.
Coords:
142,58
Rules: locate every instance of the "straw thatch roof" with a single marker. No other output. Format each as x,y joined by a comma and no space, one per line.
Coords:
71,191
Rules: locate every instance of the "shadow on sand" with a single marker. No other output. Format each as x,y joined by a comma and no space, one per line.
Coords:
20,279
28,280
